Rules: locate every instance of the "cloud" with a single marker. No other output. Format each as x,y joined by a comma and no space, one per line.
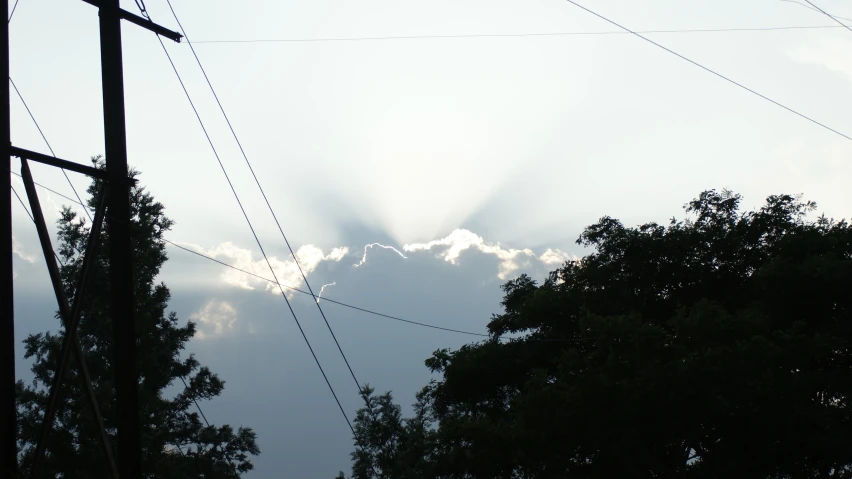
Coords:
48,203
556,257
214,319
829,53
18,250
323,289
370,246
461,240
287,271
450,248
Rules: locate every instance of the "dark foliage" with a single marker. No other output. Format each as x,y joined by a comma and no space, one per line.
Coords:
713,347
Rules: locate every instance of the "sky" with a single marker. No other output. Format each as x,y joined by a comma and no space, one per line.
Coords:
464,162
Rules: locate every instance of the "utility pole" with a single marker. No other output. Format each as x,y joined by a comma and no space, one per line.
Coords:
121,278
8,411
123,306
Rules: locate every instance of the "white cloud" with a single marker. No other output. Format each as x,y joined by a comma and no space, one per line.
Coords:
449,248
460,240
556,257
215,319
18,250
323,289
370,246
828,52
287,271
48,203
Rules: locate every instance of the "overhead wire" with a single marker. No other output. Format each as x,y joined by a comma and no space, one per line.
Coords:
265,198
14,7
24,205
511,35
254,234
33,219
829,15
813,7
43,137
709,70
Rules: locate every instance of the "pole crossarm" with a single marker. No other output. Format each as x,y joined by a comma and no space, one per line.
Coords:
71,318
60,163
142,22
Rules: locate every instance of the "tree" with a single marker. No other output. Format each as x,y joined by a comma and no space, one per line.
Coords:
388,446
176,443
715,346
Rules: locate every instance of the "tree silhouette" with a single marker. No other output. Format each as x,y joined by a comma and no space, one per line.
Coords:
716,346
176,443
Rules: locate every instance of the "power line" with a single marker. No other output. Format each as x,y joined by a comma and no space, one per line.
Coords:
829,15
22,204
512,35
257,239
194,400
709,70
33,219
43,137
197,406
53,191
14,7
813,8
265,198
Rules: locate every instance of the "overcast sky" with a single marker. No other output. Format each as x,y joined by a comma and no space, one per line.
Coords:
477,159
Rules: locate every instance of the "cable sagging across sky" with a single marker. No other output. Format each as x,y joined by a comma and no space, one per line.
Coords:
513,35
828,15
637,34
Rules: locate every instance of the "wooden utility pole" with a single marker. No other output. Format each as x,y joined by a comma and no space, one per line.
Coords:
123,307
8,412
